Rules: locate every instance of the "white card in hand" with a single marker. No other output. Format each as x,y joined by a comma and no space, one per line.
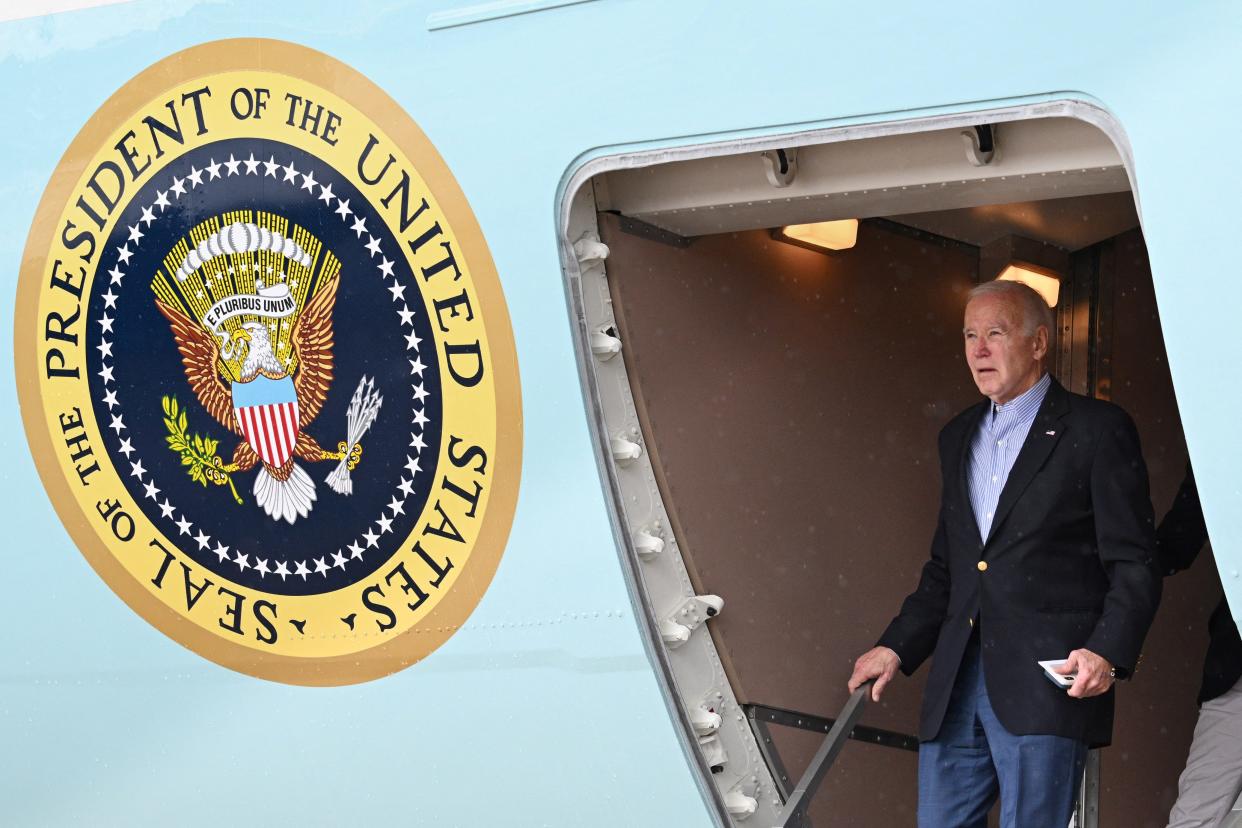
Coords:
1064,682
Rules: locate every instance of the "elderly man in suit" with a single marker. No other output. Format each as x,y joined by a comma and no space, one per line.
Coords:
1044,549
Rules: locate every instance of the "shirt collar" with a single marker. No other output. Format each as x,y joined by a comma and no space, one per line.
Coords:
1028,401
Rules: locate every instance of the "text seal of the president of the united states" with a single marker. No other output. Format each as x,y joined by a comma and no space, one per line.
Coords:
266,368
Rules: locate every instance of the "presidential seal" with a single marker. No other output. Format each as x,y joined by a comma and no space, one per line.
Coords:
266,369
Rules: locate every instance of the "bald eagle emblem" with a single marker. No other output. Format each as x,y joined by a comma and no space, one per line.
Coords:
250,307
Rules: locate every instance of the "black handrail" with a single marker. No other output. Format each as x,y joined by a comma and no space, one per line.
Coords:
768,715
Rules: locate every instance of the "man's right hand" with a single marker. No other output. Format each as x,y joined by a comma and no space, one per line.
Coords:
879,663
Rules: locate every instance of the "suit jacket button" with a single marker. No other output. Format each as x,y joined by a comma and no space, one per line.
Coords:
983,566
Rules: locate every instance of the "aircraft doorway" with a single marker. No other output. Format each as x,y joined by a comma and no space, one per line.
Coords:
784,405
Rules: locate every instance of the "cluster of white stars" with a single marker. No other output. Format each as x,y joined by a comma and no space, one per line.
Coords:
178,519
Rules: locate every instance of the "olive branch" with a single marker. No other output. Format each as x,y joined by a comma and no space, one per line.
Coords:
197,452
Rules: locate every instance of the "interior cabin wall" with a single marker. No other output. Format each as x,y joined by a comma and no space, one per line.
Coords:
791,402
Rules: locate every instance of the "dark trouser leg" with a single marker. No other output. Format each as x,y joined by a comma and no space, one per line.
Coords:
1039,775
957,781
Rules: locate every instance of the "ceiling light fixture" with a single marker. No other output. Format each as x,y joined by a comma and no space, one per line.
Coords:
821,235
1045,282
1036,264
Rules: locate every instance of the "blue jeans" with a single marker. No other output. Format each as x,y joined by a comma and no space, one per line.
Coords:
974,758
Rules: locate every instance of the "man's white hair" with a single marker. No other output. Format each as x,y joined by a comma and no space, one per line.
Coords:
1030,304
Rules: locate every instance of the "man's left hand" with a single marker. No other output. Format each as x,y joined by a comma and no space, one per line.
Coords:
1095,674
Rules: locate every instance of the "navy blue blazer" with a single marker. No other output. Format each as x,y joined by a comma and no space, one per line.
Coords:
1069,563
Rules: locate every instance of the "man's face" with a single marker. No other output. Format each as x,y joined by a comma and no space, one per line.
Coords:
1003,360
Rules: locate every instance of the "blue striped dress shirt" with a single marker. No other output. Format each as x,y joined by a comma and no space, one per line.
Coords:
1002,431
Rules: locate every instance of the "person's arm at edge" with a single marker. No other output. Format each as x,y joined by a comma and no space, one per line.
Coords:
1183,532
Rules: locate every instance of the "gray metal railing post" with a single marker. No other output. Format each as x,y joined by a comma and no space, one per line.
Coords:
793,815
1087,809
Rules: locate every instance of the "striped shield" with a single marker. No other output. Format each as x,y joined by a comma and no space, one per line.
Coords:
267,411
